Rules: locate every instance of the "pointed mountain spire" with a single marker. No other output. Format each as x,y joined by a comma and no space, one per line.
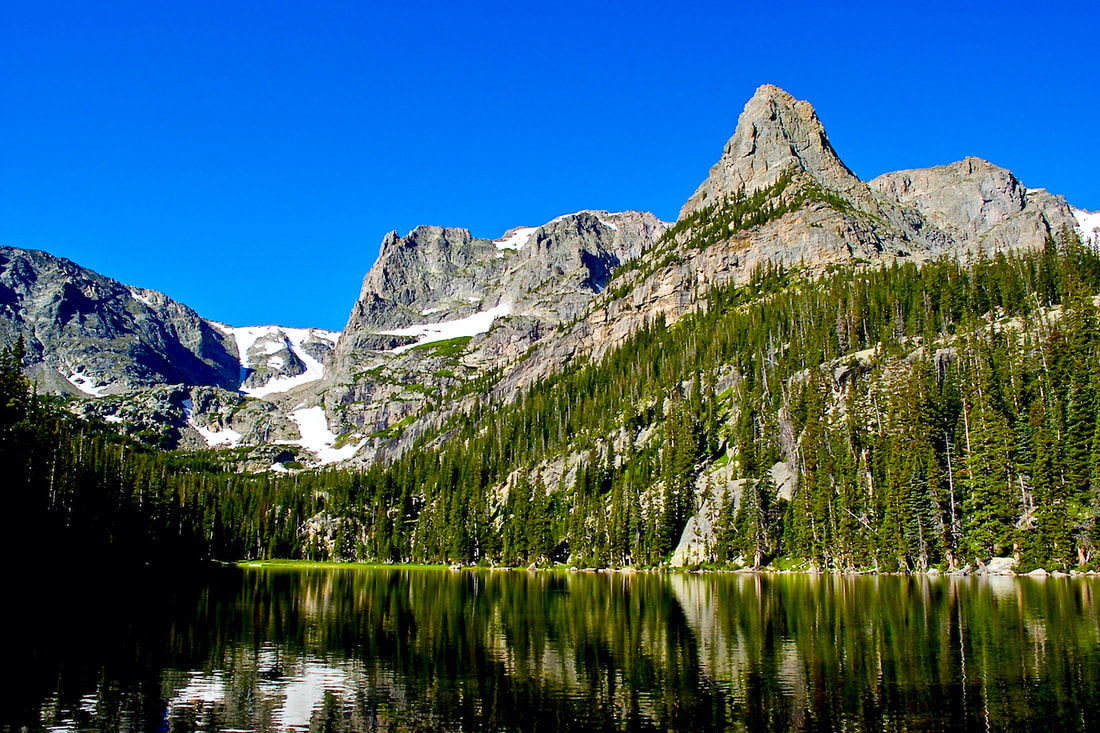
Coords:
775,134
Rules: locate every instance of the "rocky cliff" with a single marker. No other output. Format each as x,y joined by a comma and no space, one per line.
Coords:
86,334
440,307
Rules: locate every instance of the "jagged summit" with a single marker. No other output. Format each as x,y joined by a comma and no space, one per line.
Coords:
776,134
436,273
974,201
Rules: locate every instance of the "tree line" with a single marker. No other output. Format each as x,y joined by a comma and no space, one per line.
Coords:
934,416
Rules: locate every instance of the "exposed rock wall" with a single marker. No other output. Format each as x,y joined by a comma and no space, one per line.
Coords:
100,336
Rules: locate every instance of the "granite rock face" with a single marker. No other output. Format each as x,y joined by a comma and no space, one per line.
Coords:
519,288
975,202
86,334
776,135
916,213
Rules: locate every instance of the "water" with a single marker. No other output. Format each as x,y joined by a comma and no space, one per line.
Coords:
425,649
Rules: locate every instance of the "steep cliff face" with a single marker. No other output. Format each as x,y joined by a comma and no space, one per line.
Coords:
914,213
90,335
435,275
976,203
440,307
776,135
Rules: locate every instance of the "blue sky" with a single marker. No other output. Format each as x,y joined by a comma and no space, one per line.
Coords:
247,158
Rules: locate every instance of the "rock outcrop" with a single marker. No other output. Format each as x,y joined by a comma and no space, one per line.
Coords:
776,135
86,334
976,203
441,306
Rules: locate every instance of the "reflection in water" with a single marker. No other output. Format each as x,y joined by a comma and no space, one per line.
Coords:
407,649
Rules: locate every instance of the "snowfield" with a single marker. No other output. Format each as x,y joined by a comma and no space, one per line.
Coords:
429,333
1088,222
246,336
516,239
317,438
85,384
219,439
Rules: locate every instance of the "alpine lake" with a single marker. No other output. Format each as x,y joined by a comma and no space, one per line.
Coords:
402,649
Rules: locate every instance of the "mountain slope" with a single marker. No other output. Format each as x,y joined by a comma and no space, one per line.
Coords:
445,318
87,334
804,367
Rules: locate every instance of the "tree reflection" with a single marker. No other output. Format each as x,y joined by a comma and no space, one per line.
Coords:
400,649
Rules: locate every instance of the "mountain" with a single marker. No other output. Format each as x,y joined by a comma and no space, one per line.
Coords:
87,334
441,307
805,368
443,315
419,327
780,159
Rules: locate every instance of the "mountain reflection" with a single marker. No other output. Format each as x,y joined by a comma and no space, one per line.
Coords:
414,649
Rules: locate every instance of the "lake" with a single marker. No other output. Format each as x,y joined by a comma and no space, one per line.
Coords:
357,649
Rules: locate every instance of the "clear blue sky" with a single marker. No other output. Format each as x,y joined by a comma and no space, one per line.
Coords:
247,158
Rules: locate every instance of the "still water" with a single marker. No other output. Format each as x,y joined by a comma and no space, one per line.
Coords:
425,649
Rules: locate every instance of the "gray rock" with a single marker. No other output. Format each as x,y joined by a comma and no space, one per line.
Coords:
785,478
98,336
776,134
977,203
1000,566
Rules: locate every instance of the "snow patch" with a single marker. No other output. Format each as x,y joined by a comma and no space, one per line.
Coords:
142,297
516,239
317,438
605,217
85,383
1088,222
214,438
229,438
430,311
115,419
246,336
429,333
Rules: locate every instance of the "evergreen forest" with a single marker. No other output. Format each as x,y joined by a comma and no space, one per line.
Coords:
934,416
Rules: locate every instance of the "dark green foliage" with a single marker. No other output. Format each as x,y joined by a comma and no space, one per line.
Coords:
962,436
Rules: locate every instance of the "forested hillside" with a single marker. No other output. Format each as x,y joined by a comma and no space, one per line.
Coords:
933,417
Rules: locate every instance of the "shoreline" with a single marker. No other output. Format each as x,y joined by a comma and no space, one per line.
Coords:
1039,573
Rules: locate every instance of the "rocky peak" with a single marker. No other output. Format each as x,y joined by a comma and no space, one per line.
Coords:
87,334
776,134
977,202
435,274
443,284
